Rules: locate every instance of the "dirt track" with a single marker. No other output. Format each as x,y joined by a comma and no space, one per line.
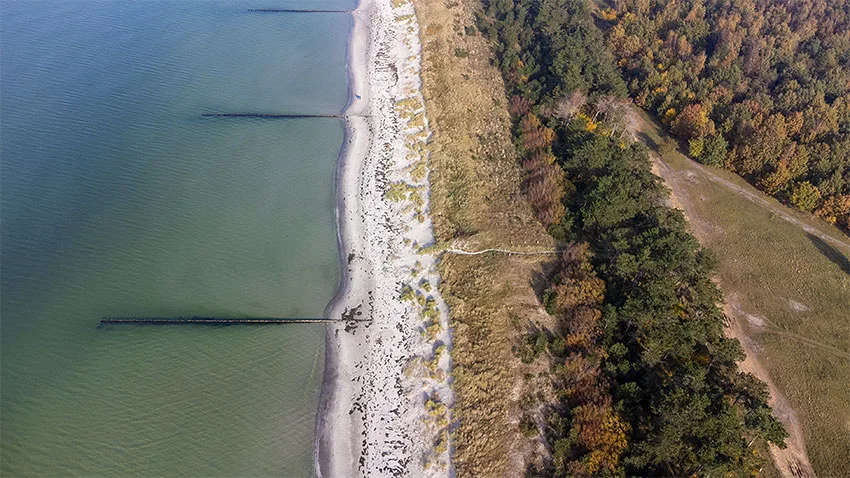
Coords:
705,172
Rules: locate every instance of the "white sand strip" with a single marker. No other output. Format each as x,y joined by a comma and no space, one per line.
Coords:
385,398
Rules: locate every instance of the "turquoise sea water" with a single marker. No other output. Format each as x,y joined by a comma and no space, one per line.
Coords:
119,199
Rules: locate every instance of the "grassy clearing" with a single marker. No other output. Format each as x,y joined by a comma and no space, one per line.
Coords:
476,203
790,290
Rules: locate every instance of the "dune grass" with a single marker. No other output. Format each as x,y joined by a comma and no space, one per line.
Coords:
476,203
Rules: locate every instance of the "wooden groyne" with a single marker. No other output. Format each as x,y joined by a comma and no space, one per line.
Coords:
215,321
292,10
264,115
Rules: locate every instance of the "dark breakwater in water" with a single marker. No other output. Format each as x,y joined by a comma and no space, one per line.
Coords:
265,115
212,321
279,10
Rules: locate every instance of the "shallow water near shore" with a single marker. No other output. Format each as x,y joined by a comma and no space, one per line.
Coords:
119,199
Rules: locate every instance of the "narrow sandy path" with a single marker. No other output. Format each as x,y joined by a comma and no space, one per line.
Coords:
757,198
793,461
505,251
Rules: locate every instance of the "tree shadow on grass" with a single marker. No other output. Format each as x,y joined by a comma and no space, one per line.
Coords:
831,253
541,278
647,140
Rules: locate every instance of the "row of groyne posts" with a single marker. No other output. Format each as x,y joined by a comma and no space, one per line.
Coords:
219,321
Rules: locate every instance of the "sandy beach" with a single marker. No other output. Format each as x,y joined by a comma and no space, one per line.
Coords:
385,400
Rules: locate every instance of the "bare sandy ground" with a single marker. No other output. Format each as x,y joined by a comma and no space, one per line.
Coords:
385,398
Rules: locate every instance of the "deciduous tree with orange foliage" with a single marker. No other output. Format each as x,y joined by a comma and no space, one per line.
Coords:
589,436
772,77
545,184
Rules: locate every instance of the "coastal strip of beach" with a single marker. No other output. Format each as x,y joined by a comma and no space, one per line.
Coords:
386,400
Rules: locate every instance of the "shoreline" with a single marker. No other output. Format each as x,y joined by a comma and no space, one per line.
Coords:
356,57
373,415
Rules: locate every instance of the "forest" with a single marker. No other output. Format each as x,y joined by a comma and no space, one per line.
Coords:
647,382
760,87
